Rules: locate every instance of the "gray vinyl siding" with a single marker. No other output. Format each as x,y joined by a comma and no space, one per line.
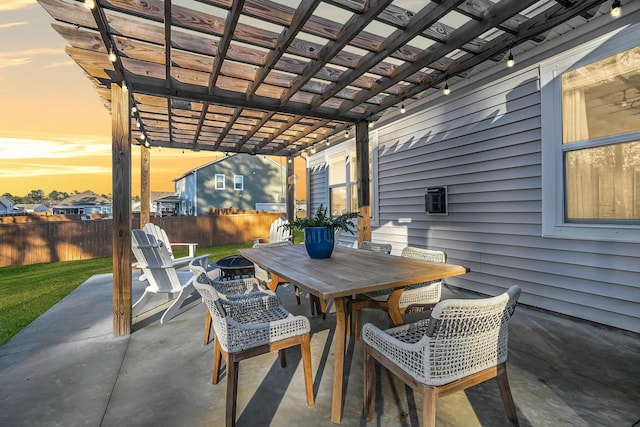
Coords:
318,187
485,147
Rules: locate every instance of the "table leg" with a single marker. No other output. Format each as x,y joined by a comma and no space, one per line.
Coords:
275,281
394,307
338,368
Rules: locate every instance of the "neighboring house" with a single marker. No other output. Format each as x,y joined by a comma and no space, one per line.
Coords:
6,206
540,164
32,207
154,197
237,181
86,202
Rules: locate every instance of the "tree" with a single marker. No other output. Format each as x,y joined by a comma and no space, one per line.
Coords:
35,196
58,195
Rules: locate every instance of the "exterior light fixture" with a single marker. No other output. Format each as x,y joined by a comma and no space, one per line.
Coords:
616,8
510,61
112,56
446,89
402,109
89,4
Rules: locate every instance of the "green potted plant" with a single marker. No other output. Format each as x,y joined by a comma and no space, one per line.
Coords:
320,230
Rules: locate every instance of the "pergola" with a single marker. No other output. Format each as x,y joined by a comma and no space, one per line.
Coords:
277,77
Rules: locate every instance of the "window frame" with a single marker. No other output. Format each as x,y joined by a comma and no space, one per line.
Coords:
345,147
235,182
554,222
215,181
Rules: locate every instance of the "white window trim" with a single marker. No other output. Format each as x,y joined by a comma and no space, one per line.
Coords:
553,214
215,181
323,157
235,182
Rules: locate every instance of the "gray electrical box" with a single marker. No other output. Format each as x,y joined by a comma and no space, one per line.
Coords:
435,201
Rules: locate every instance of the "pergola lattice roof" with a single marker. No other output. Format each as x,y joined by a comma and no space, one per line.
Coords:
275,77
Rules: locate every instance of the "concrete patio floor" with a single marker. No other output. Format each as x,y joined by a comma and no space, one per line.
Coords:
66,369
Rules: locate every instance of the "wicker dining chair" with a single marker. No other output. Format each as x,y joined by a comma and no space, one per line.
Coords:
461,344
416,297
234,289
251,327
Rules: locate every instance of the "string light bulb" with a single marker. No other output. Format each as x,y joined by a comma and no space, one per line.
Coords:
370,125
346,133
134,109
313,150
112,56
402,109
146,144
616,8
446,89
143,137
138,124
510,61
327,142
89,4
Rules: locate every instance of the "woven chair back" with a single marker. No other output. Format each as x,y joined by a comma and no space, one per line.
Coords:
465,336
383,248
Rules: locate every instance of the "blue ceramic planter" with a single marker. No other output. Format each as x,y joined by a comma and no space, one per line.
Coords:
319,241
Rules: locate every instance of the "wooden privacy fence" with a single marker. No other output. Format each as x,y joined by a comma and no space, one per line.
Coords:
43,241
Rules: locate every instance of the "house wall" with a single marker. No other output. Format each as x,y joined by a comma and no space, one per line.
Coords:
318,193
264,182
484,143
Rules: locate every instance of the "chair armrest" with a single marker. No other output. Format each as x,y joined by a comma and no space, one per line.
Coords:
382,340
192,247
147,245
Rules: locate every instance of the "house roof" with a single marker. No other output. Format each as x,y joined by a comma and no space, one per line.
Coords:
6,202
265,77
86,198
155,195
29,205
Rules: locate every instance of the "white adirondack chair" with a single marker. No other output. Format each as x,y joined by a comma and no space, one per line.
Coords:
277,233
161,236
159,271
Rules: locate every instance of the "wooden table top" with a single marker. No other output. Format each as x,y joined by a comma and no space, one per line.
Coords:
349,271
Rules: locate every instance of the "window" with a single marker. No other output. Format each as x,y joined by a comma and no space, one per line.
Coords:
219,180
591,149
343,192
238,182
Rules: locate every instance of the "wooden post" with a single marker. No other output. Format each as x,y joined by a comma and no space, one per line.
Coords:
364,188
121,183
291,190
145,184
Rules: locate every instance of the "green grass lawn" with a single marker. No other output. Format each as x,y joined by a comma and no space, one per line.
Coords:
28,291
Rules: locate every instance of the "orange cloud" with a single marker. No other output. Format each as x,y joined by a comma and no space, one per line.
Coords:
16,4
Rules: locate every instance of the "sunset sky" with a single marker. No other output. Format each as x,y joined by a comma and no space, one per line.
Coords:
55,133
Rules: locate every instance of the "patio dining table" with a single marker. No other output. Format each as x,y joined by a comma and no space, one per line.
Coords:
347,272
